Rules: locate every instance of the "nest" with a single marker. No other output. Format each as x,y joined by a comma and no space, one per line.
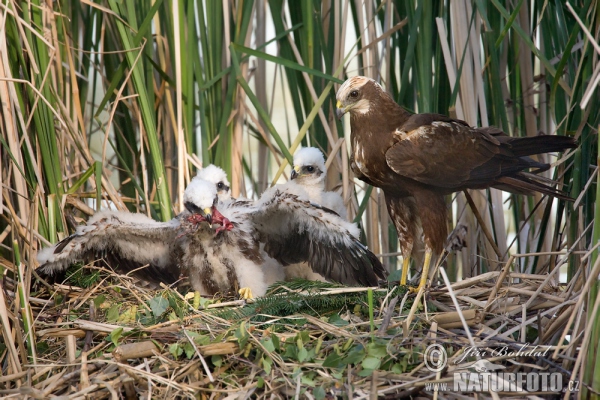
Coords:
118,339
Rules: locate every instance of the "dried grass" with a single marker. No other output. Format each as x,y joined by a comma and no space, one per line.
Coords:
202,353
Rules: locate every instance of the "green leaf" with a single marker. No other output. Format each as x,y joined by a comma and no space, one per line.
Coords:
260,382
399,368
159,305
319,393
302,354
529,44
311,355
334,360
291,351
82,179
365,373
404,362
275,340
268,344
203,302
259,109
41,347
112,315
363,204
304,336
285,62
307,381
371,362
336,320
115,335
377,350
198,338
241,335
267,364
98,300
356,355
217,360
147,114
189,350
175,350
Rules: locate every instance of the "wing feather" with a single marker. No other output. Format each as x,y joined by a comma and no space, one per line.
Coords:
128,240
443,153
439,151
295,230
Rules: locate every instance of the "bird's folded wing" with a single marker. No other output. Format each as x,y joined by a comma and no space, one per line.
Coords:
448,153
295,230
128,240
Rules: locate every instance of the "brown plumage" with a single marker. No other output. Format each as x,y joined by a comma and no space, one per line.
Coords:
416,159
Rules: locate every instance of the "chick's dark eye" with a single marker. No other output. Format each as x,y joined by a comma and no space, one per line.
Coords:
220,185
310,168
354,94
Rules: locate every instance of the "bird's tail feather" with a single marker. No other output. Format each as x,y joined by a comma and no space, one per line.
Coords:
524,183
527,146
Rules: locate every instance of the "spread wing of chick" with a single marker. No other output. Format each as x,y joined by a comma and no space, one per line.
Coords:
295,230
126,241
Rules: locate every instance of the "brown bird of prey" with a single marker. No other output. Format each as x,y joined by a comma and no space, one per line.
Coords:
416,159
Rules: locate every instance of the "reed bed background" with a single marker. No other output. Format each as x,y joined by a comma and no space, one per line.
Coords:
117,104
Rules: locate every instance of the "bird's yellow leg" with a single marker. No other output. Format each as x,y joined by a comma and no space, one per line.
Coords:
405,266
245,293
425,272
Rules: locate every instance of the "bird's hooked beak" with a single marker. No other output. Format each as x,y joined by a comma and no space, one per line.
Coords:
339,110
295,172
198,214
208,214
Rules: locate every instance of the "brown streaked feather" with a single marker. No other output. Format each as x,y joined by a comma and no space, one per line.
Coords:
301,231
403,212
416,121
423,155
477,157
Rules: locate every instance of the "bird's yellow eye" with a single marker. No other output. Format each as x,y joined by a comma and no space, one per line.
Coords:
354,94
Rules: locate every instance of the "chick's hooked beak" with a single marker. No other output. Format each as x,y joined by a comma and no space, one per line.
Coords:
198,215
339,110
208,214
294,173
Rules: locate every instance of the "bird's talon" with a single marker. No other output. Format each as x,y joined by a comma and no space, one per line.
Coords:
245,293
413,289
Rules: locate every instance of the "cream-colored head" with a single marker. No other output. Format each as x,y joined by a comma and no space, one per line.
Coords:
353,95
309,167
200,197
218,177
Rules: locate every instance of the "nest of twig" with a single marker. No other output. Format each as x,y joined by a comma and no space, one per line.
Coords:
118,339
